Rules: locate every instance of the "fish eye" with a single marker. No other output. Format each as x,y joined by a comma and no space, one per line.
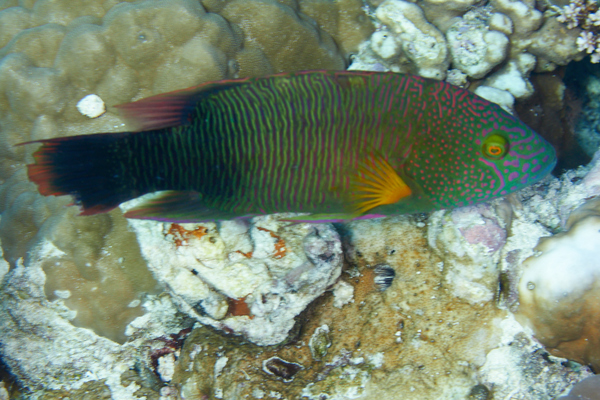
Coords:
495,147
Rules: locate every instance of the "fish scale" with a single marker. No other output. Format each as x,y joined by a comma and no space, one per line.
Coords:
282,136
339,145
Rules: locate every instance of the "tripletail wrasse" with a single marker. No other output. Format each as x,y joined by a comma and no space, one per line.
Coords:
337,145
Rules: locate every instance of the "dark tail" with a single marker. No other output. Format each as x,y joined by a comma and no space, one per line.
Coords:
87,167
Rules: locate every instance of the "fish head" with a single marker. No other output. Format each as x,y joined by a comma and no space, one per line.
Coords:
512,155
474,153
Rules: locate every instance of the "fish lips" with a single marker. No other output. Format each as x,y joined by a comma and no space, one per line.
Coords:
545,170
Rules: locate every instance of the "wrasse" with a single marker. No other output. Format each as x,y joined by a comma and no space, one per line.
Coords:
338,145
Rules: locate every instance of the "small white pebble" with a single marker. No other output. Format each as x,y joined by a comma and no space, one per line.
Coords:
134,303
91,106
376,360
357,360
166,367
62,294
220,364
343,294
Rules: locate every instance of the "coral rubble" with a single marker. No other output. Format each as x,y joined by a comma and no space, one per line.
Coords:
502,41
250,279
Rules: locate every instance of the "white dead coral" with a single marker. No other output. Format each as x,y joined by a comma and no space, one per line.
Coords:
503,41
421,43
476,49
512,77
251,279
469,240
525,17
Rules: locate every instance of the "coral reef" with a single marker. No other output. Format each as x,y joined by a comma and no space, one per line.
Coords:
44,350
95,266
250,279
55,54
558,291
435,327
502,41
476,49
421,43
584,14
90,272
414,340
469,240
411,307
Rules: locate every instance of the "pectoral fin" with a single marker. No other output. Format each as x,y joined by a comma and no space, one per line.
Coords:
376,183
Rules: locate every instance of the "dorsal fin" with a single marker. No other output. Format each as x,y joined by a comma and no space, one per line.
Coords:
170,109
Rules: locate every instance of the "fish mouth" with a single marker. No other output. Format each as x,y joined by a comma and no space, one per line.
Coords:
544,171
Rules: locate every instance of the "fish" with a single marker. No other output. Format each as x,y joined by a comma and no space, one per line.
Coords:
332,145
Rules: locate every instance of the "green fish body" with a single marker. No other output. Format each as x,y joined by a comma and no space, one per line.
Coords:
338,145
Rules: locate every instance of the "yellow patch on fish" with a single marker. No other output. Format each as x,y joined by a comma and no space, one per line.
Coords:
376,183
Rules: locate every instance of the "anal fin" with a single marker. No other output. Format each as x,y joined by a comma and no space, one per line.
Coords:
177,206
329,218
319,218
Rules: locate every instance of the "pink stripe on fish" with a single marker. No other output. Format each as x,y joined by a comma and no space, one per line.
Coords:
498,174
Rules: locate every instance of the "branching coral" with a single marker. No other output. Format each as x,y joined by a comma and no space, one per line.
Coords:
585,15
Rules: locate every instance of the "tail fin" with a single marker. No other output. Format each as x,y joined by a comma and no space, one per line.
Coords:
84,167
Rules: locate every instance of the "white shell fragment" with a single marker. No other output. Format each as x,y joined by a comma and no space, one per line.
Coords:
91,106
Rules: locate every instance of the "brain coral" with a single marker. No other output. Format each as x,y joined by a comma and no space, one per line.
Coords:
55,52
